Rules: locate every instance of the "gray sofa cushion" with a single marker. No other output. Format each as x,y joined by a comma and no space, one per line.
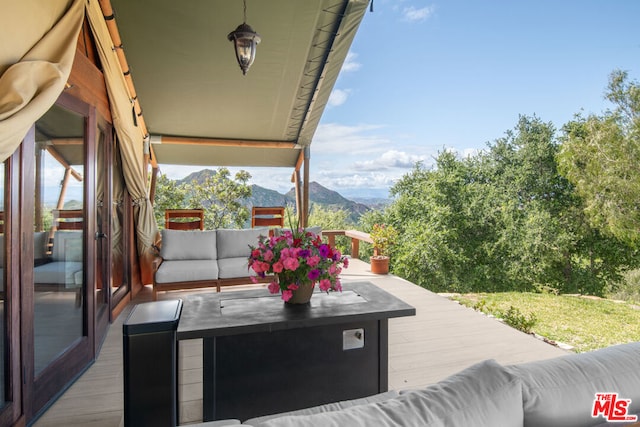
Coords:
67,246
58,273
235,243
186,271
561,391
188,245
484,394
316,229
40,239
234,267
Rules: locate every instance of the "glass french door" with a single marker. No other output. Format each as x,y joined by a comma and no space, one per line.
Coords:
62,213
59,304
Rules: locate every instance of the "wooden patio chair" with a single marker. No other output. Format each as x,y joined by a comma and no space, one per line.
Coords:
184,219
68,219
262,216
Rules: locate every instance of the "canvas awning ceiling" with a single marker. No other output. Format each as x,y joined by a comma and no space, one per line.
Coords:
198,107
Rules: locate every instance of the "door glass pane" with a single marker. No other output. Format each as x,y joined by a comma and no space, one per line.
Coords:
4,368
58,234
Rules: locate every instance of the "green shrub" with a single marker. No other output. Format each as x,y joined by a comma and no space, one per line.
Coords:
516,319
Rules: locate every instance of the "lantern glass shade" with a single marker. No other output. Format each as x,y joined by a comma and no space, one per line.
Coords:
244,41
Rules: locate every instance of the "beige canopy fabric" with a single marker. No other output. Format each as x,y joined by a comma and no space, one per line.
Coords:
35,62
129,134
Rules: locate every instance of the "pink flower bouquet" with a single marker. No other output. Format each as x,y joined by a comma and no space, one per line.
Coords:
297,258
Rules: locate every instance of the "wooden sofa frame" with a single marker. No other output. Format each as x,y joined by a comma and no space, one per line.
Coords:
199,284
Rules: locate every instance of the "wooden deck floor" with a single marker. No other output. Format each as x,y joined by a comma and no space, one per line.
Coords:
441,339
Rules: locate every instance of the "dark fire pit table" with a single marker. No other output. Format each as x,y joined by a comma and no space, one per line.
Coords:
261,356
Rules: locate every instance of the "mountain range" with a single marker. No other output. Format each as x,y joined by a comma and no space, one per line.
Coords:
318,195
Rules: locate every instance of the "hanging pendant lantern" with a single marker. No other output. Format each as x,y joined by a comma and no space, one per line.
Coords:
245,41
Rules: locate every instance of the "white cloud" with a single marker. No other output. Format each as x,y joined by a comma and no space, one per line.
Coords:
413,14
350,63
338,97
351,180
389,160
358,139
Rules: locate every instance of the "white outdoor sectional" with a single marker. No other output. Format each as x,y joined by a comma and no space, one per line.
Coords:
559,392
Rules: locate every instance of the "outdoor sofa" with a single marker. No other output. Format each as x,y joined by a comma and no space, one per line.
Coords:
556,392
201,259
191,259
58,269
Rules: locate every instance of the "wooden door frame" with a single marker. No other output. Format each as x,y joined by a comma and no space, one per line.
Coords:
11,413
39,391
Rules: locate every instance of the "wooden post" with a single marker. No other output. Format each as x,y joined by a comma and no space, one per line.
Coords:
305,194
154,181
355,248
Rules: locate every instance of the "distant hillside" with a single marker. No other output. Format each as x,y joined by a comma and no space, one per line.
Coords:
317,195
261,196
332,199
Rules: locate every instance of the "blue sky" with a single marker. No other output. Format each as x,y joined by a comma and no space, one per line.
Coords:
424,76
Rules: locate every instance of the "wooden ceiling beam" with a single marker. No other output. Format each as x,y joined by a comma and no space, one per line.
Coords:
216,142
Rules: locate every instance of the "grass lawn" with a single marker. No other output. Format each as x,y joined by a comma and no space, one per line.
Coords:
582,322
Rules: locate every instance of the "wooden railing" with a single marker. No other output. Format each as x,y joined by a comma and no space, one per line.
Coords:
355,235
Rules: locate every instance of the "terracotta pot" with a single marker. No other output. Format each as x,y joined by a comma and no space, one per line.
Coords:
302,295
379,264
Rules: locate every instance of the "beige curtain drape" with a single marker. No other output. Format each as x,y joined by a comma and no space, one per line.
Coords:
130,136
37,46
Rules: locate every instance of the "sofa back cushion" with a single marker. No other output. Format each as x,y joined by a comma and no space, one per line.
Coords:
561,391
316,229
235,243
67,246
188,245
40,239
482,395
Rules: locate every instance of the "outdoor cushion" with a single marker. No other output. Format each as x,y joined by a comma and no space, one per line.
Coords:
336,406
561,391
188,245
234,267
235,243
67,246
40,240
484,394
186,271
39,246
58,273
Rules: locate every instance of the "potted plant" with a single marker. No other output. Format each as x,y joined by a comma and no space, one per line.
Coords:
297,260
383,237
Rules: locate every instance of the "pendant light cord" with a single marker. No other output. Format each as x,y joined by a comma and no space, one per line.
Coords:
245,10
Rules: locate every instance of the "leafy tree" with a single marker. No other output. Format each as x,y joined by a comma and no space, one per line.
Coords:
600,156
218,194
169,195
221,197
503,219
